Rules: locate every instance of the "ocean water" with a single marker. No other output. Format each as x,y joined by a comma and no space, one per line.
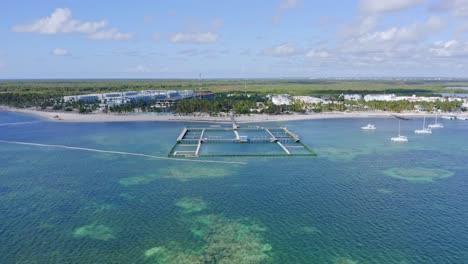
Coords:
363,199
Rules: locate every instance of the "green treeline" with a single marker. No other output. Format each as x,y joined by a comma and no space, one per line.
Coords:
400,106
238,96
239,104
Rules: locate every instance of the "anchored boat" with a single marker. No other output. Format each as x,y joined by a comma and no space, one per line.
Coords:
436,125
399,138
369,127
424,129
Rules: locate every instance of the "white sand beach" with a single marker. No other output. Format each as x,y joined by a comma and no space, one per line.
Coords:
203,117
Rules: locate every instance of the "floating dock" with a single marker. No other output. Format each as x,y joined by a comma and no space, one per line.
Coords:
284,148
182,135
213,141
296,137
234,123
273,138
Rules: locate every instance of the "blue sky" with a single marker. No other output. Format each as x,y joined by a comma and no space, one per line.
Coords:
233,39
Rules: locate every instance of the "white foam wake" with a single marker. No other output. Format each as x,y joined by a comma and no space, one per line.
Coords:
117,152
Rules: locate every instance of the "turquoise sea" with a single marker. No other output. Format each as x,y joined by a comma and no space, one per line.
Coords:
363,199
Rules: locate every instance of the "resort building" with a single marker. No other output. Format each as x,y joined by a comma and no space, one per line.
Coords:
112,99
308,99
88,98
379,97
281,99
352,97
414,98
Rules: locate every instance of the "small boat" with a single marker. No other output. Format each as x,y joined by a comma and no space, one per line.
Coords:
369,127
462,118
424,130
448,117
436,125
399,138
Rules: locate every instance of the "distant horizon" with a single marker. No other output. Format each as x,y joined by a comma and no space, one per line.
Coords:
430,78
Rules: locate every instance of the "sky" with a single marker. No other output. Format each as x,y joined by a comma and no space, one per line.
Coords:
233,39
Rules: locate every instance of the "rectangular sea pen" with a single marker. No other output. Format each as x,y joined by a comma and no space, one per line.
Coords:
251,143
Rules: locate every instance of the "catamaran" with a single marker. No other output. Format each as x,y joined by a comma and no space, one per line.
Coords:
369,127
436,125
400,138
424,130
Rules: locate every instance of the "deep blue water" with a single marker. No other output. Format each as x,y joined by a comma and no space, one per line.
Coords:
364,199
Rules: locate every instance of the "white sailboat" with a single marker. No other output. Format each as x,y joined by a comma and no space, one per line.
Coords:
449,117
436,125
399,138
369,127
424,129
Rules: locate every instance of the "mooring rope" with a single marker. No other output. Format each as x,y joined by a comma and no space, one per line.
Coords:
118,152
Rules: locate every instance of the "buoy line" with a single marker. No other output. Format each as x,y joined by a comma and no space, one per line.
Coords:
20,123
118,152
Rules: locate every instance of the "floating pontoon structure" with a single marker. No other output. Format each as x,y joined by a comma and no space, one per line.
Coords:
220,140
296,137
182,135
234,123
273,138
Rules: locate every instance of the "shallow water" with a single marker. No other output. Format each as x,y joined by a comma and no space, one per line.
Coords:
364,199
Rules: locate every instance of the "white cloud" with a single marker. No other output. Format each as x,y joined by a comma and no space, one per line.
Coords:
463,27
283,50
412,33
458,8
283,6
59,52
289,4
318,54
449,48
366,46
138,69
206,53
109,34
359,27
394,42
61,22
197,38
384,6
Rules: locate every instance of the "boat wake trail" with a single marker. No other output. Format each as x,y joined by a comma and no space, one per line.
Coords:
20,123
118,152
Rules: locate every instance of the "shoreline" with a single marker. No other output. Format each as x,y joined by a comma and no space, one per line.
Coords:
254,118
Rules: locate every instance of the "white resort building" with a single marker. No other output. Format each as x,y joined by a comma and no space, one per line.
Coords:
113,99
281,99
352,97
308,99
